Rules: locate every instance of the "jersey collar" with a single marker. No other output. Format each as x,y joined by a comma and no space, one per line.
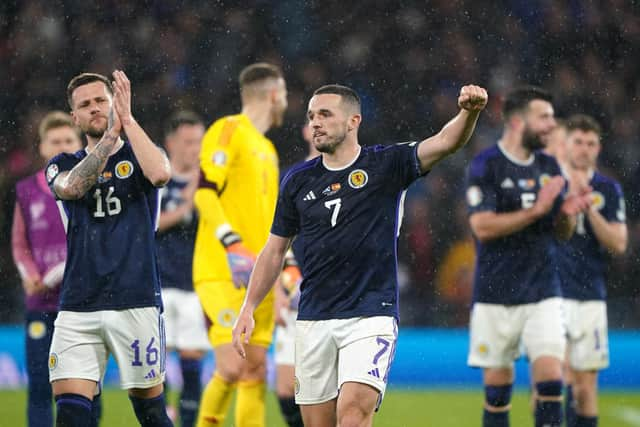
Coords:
345,166
512,159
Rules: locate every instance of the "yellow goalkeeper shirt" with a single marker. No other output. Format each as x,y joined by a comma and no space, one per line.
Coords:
239,167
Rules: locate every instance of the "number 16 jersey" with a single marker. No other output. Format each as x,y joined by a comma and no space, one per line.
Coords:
347,223
111,254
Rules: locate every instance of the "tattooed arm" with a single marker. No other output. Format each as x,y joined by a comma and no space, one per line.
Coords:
73,184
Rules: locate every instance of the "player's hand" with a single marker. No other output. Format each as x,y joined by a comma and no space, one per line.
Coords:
241,261
547,195
577,202
472,98
242,330
114,125
33,285
122,96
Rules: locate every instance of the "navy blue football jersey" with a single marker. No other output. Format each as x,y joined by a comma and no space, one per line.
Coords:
175,245
519,268
347,222
582,260
111,252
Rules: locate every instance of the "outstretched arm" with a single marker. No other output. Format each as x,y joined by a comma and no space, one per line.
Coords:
153,161
455,134
265,273
74,184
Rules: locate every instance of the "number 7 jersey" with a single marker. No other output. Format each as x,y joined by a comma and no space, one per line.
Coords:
347,223
111,253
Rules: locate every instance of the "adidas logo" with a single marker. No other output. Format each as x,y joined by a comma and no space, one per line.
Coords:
309,196
150,375
374,373
507,183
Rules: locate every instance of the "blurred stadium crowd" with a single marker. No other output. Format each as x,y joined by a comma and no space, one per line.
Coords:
407,59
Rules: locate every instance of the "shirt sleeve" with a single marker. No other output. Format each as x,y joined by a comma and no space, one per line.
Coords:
286,221
614,208
218,151
481,191
403,163
60,163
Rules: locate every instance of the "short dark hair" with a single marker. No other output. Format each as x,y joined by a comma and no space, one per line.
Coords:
346,93
84,79
257,72
584,123
518,99
179,118
55,120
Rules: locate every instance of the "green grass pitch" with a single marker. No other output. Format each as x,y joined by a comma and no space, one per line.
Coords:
401,408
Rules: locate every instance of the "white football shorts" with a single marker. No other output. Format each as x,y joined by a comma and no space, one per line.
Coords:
285,342
184,320
329,353
500,332
82,342
587,333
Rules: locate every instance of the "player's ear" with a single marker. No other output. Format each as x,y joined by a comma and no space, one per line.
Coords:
354,122
516,122
73,116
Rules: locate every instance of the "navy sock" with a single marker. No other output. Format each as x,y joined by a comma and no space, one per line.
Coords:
586,421
495,419
96,410
290,411
191,389
74,410
39,408
498,396
40,397
569,407
549,412
151,412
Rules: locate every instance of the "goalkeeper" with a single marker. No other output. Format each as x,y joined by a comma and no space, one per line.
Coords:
236,201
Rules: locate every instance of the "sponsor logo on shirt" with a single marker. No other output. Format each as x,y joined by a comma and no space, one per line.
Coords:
358,178
52,172
332,189
219,158
544,179
104,177
474,196
124,169
527,184
507,183
597,200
